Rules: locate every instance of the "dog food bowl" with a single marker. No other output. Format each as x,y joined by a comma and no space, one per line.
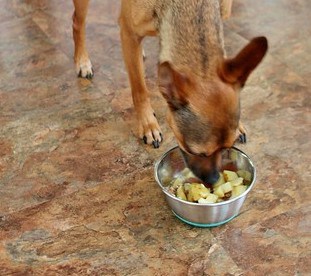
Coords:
170,165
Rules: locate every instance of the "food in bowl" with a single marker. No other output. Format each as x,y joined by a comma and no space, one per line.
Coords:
230,184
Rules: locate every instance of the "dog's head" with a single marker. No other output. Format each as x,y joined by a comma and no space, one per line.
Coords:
204,114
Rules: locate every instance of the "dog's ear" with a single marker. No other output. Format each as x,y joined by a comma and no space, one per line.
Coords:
237,69
173,85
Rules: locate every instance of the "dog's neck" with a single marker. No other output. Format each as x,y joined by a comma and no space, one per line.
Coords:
191,36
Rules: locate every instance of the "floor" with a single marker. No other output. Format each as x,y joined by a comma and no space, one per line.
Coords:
78,196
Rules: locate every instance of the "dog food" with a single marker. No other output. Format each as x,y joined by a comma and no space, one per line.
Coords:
229,185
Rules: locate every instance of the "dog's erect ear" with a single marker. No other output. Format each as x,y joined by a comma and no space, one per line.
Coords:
173,85
237,70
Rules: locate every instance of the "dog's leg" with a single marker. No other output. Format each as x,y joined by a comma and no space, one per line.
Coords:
82,61
225,8
149,129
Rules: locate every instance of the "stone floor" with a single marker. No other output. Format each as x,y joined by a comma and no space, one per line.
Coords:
77,191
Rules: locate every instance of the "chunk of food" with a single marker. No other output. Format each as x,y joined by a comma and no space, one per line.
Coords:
246,175
227,187
178,182
211,198
230,175
219,192
180,193
223,189
197,191
236,182
238,190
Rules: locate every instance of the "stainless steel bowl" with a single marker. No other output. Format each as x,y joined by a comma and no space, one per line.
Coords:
170,165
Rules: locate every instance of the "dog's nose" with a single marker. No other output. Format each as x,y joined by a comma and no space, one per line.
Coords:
212,177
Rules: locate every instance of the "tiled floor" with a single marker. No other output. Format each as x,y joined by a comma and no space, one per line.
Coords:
77,191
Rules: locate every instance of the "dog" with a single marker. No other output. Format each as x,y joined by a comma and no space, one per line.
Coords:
199,83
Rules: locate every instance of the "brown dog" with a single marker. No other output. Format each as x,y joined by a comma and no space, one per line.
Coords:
199,84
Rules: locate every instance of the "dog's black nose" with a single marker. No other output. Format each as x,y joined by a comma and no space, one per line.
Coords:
211,177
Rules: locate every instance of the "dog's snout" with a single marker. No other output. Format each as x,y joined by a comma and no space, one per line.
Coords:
211,177
204,168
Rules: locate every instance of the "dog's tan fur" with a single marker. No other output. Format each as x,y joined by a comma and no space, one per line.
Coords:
199,84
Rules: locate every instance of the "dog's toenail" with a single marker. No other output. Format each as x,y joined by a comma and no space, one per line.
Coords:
154,115
145,139
156,144
80,74
244,138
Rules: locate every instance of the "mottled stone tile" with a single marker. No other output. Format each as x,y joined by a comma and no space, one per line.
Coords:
78,196
276,246
215,262
58,36
5,13
22,8
123,226
59,158
283,23
295,56
23,39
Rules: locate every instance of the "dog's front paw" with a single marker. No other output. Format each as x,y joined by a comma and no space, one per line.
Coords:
241,136
84,68
149,129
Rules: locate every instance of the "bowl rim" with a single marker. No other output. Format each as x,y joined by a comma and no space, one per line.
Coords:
156,165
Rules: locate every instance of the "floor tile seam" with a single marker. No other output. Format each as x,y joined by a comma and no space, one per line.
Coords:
218,241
